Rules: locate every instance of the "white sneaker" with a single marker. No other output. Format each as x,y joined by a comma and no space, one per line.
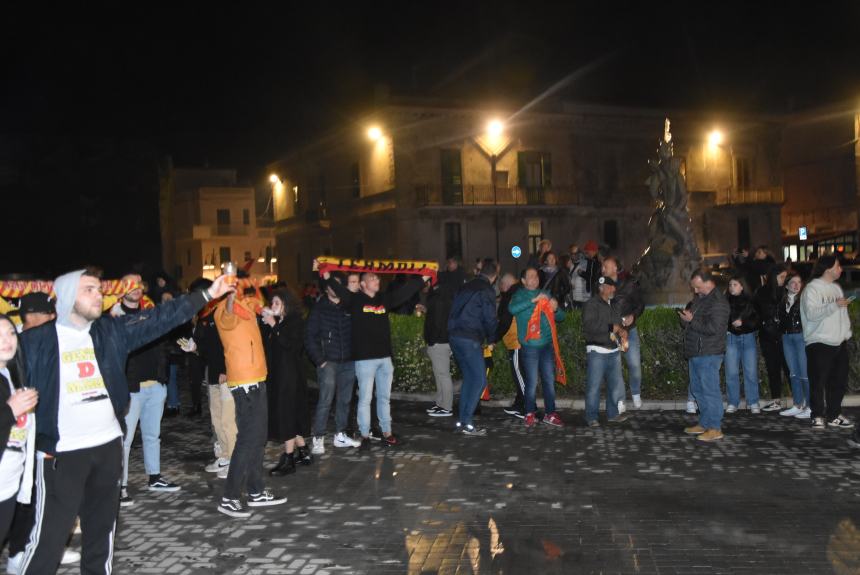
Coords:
731,408
318,445
805,413
70,556
343,440
222,473
755,409
691,407
219,451
791,411
13,565
217,465
637,401
621,407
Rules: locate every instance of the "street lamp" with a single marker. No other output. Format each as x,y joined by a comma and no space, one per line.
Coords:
495,130
374,133
715,138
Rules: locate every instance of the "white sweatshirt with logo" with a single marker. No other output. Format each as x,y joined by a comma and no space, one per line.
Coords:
823,320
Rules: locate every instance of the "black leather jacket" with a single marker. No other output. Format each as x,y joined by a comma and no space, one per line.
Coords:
742,308
789,320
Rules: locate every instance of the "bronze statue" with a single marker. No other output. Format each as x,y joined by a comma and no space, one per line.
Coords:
671,257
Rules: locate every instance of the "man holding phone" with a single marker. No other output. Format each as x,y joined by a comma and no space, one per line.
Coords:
704,324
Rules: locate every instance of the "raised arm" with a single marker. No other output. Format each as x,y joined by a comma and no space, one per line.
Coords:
148,325
402,294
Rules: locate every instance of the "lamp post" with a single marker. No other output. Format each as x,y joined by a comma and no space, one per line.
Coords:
495,131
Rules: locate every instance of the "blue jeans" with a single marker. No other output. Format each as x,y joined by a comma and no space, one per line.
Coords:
598,366
705,385
795,356
172,387
534,360
742,350
382,372
145,406
335,380
470,357
633,357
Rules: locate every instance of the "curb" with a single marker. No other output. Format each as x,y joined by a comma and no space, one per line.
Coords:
852,400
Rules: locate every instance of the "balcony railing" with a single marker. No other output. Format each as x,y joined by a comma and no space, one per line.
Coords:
230,230
731,196
433,195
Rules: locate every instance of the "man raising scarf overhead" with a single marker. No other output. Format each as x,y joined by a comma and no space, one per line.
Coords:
536,313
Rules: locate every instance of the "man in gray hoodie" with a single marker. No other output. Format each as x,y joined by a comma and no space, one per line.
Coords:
78,367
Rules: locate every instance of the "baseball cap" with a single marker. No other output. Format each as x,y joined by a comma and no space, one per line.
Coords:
605,280
36,302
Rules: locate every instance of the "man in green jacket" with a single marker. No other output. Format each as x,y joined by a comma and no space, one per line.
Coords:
537,351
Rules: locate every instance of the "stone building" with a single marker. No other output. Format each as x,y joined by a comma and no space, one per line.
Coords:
207,219
424,180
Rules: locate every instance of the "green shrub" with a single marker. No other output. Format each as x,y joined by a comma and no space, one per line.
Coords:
664,368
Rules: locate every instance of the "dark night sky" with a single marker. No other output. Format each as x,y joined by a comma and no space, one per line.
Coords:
90,102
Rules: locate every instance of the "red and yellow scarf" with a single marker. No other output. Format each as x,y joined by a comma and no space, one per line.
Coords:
543,307
331,264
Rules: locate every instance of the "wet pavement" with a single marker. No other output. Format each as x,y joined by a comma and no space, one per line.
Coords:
641,497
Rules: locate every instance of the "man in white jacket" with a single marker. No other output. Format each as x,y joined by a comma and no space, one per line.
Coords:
826,329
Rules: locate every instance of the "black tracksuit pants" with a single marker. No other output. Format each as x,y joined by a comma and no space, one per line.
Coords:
82,483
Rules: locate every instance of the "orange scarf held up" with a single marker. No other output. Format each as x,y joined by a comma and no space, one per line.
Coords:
533,332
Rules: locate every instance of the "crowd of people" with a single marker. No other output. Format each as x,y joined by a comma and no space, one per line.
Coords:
80,374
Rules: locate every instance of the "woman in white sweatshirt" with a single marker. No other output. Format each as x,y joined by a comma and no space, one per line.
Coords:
17,428
826,328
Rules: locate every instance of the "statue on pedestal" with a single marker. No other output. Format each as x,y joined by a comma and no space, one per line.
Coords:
667,263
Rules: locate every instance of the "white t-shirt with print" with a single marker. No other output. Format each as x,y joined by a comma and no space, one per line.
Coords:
86,417
15,454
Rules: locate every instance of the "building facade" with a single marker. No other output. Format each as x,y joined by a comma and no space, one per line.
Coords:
821,157
427,181
207,219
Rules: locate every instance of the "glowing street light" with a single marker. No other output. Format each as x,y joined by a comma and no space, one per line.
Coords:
495,128
715,138
374,133
274,179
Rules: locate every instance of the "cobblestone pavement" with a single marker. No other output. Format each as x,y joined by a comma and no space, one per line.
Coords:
773,497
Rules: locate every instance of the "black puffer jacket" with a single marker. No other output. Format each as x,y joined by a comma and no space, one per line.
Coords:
705,334
789,319
742,308
328,336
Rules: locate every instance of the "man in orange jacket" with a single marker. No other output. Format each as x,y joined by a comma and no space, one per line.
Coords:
236,319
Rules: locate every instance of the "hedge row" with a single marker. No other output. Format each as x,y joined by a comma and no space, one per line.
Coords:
664,369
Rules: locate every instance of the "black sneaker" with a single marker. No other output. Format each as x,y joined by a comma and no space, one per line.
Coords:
264,499
375,435
125,499
515,410
233,508
841,422
854,440
471,430
365,444
440,412
433,409
160,484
